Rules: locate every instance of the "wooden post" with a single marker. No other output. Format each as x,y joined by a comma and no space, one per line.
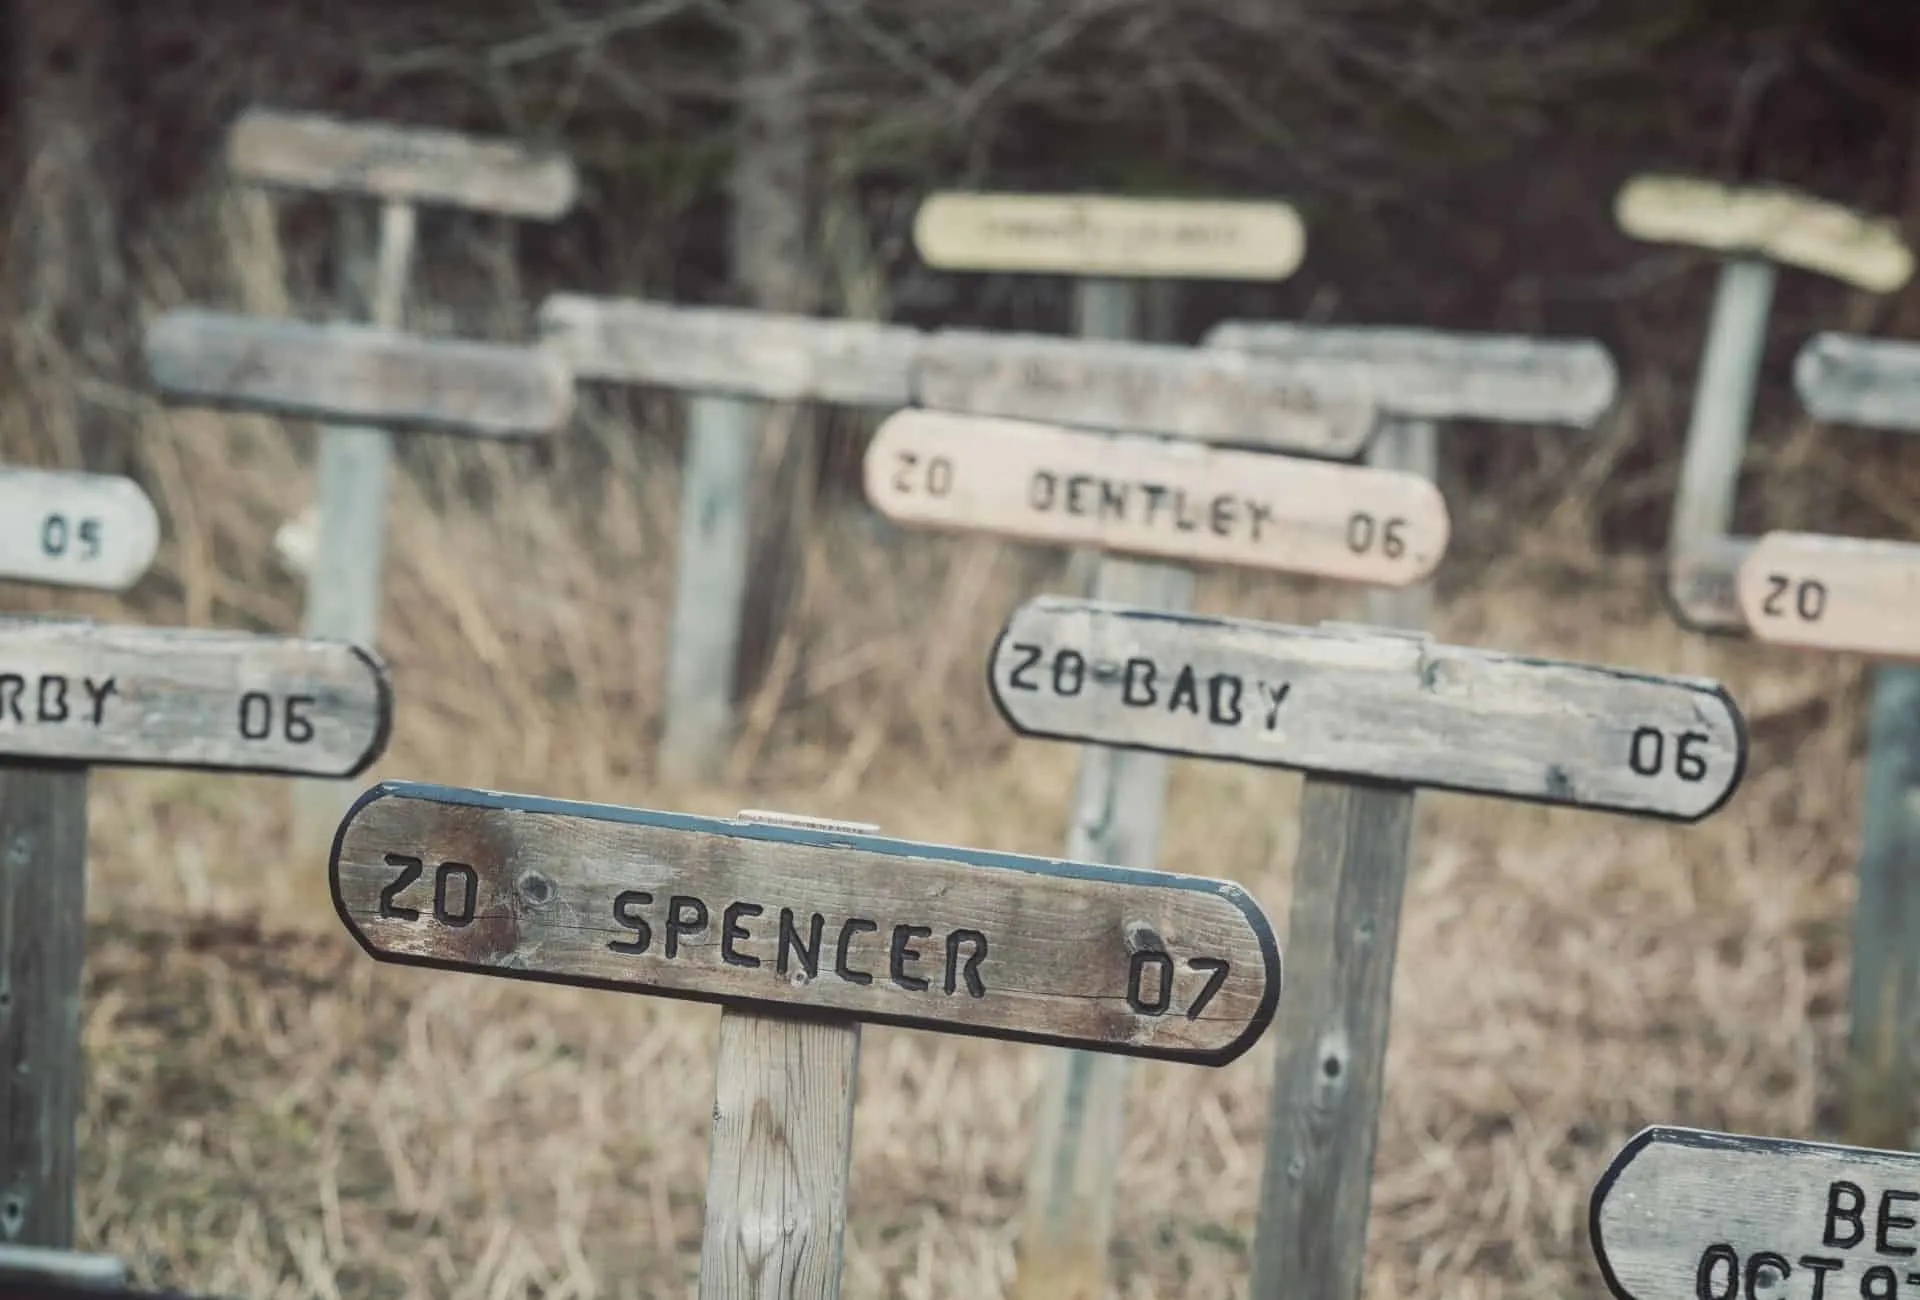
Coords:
1722,404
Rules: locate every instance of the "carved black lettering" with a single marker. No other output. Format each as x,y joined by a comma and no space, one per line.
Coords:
12,687
1113,500
976,943
53,702
1258,514
685,915
1136,685
1029,656
626,912
1220,515
731,929
1185,688
1215,969
853,926
1887,1220
1042,488
1156,498
98,693
1182,520
1765,1271
1879,1283
899,955
1223,700
1845,1206
410,869
1273,697
1819,1266
808,952
1717,1262
1079,489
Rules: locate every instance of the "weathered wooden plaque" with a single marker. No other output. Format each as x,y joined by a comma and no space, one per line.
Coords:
1834,593
1217,397
1084,235
760,354
75,530
1703,585
1146,496
359,373
785,920
306,151
1873,383
1767,221
1436,375
1356,702
89,693
1686,1213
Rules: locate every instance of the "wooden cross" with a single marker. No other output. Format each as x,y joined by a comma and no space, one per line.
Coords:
1719,1216
64,529
801,930
1365,713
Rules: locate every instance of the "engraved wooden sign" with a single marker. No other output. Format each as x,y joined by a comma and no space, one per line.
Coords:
1834,593
1874,383
787,920
1085,235
760,354
89,693
1703,584
1766,221
306,151
1686,1213
1145,496
66,529
359,373
1436,375
1142,388
1358,702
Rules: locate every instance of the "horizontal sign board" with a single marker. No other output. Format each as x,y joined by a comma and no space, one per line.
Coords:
358,373
81,692
1145,496
1703,585
1355,702
792,919
1873,383
1437,375
1834,593
1142,388
1070,234
1686,1213
1767,221
762,354
64,529
305,151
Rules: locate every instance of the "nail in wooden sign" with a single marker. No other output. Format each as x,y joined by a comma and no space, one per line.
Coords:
788,919
65,529
1142,388
1703,584
1084,235
305,151
89,693
1772,222
759,354
1715,1216
1435,375
1355,702
360,374
1146,496
1834,593
1873,383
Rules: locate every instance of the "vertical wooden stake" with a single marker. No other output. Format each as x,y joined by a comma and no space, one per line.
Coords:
1343,930
704,643
1073,1170
43,916
1722,405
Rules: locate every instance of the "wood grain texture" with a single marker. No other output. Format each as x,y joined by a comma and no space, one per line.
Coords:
1769,221
1369,705
43,935
1716,442
80,692
1152,497
359,374
1703,585
306,151
1834,593
1027,948
1096,236
64,529
1873,383
1439,375
1317,1177
772,356
1131,387
26,1266
1680,1212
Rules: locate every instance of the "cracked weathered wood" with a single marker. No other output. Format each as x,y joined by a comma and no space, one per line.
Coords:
360,374
1702,584
1873,383
788,921
307,151
1369,705
1834,593
92,693
64,529
1155,497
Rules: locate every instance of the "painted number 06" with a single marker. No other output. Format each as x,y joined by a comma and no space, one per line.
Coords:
1363,530
1648,754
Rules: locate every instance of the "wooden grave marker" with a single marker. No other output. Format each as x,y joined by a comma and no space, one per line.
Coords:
1846,594
77,694
801,930
64,529
1719,1216
1362,711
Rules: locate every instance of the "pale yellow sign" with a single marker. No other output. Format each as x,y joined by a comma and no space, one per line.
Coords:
1085,235
1771,222
1834,593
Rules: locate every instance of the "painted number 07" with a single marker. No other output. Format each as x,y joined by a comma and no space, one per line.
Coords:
1150,982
